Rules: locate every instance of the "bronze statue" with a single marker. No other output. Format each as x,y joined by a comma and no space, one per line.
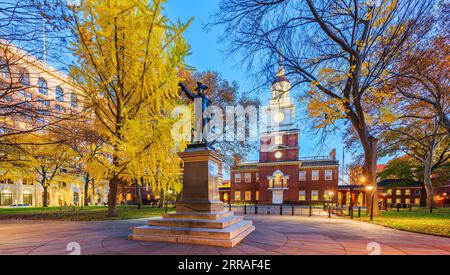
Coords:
205,101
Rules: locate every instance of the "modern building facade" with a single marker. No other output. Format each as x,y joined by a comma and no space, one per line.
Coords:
44,94
281,176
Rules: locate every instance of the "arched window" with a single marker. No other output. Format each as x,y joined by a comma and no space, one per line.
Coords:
73,100
59,94
24,78
42,85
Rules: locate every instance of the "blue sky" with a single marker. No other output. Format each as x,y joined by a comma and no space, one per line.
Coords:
207,55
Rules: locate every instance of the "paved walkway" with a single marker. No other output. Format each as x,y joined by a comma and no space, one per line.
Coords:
274,235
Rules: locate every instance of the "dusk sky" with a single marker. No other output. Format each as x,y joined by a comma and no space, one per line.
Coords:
207,54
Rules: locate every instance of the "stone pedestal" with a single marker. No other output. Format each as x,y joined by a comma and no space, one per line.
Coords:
200,217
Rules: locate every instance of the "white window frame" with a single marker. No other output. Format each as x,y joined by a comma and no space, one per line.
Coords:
313,176
247,177
302,193
328,174
249,197
312,196
237,177
278,140
300,177
237,195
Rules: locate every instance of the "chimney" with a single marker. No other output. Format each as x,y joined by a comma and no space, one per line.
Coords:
333,153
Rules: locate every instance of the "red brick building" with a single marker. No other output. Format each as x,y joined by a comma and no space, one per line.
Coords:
280,176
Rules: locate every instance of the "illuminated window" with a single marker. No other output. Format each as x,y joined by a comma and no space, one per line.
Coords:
315,195
398,200
407,192
408,201
315,175
5,197
148,197
278,140
225,197
389,200
237,195
248,195
389,191
257,176
248,177
328,174
257,195
302,175
398,192
302,195
237,177
417,201
128,197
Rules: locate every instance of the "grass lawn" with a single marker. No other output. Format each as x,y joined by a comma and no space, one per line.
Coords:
90,213
419,220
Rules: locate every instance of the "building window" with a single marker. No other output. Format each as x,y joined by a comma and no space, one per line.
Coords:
42,86
27,198
302,175
257,195
128,197
408,201
237,177
24,78
73,100
237,195
302,195
398,200
248,195
389,191
398,192
417,201
257,177
6,181
407,192
4,68
328,174
417,192
27,181
5,197
278,140
389,200
59,94
248,177
327,195
315,195
315,175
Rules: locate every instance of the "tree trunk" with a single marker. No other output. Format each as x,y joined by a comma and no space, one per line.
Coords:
45,202
370,167
427,181
112,196
86,189
138,194
161,198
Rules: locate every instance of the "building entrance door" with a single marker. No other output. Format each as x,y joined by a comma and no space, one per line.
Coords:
277,196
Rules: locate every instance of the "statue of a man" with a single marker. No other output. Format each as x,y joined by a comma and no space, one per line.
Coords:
205,101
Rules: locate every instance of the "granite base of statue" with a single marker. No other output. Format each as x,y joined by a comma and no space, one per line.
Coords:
200,217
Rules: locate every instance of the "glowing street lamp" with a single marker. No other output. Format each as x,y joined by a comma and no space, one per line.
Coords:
370,189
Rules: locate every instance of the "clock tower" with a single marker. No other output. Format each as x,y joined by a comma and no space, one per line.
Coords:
280,140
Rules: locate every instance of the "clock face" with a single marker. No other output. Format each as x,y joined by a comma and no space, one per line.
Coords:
278,154
278,117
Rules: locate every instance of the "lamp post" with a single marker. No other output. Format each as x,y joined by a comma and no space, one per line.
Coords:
369,188
443,199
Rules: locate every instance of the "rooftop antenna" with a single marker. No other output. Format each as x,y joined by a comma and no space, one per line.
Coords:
44,53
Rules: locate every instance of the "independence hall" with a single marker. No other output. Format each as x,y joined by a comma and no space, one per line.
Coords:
281,176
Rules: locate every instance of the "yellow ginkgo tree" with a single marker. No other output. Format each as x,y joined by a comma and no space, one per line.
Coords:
129,54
